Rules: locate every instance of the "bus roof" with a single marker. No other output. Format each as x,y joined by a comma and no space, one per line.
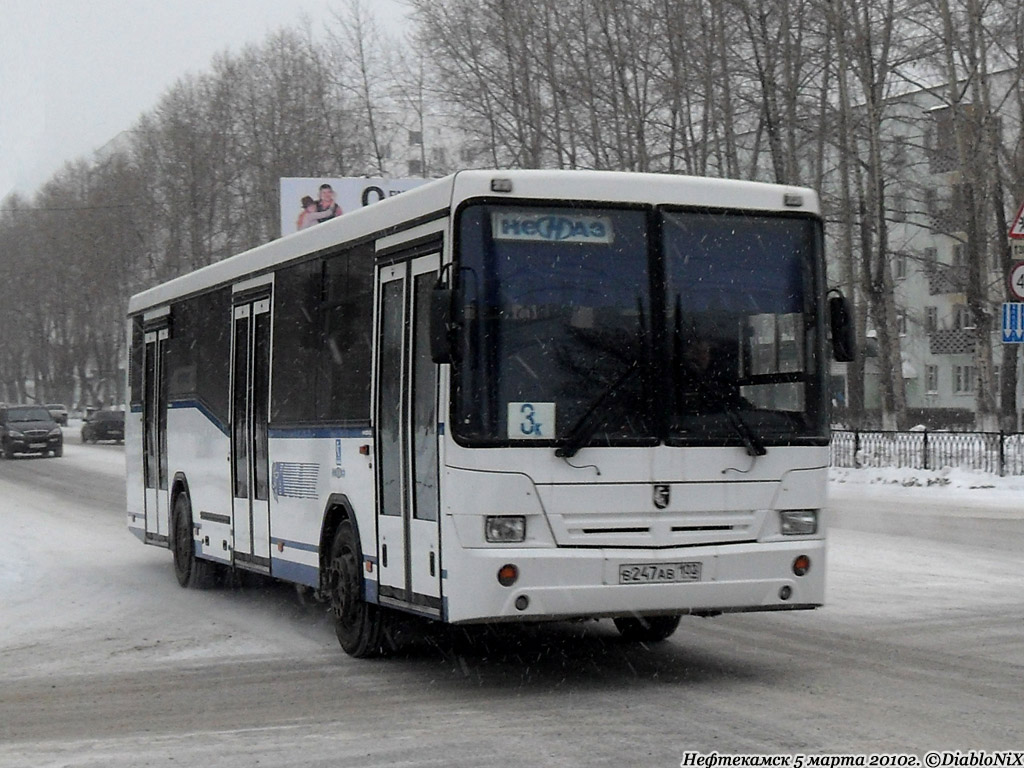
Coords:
438,198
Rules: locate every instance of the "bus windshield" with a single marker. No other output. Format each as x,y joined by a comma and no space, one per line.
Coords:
627,326
742,327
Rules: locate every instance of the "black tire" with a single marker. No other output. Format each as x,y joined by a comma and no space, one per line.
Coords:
8,451
647,629
190,570
58,451
359,625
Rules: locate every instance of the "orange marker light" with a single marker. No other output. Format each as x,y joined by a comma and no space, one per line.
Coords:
507,575
801,565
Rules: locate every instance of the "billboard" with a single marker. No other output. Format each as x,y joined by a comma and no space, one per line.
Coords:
306,202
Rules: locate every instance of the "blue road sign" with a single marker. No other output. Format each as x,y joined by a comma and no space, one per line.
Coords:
1013,322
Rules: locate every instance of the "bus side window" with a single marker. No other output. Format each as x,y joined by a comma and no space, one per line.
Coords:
343,380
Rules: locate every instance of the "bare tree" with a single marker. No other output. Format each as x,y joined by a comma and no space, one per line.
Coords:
873,44
965,31
361,62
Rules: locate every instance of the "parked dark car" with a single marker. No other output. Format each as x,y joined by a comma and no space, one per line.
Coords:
59,411
29,429
103,425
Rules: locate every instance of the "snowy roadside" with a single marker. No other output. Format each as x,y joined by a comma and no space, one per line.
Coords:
953,506
80,594
946,487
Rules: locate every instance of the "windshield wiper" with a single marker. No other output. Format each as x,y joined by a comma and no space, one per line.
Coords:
585,426
753,444
751,441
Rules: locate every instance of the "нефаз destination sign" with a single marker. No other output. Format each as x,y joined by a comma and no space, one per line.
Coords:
551,227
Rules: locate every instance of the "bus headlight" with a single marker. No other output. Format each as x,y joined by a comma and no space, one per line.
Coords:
799,522
505,529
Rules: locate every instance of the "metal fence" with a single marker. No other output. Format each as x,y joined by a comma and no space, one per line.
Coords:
999,453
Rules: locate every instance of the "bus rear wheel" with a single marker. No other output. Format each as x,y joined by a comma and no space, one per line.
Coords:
190,570
647,629
359,625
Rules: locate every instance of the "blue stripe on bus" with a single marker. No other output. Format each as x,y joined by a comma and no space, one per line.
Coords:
275,432
308,432
297,573
199,406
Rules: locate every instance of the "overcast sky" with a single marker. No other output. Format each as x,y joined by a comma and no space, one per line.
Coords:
75,73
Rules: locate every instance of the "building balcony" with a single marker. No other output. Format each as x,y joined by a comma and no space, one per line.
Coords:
942,160
946,278
947,220
955,342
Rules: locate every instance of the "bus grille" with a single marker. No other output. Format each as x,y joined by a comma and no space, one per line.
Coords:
656,529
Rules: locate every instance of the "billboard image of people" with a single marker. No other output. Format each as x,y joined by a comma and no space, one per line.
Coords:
306,202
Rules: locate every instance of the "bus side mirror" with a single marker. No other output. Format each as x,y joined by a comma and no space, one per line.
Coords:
441,325
844,341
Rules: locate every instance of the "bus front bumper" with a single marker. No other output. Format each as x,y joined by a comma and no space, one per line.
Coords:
594,583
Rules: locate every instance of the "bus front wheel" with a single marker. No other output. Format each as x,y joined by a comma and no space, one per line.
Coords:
190,570
359,625
647,629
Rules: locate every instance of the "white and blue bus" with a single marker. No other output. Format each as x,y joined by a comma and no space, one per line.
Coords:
501,396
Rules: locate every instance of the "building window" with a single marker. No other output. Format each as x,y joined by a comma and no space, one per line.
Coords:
901,322
901,266
931,319
899,206
931,258
415,138
965,379
899,152
959,254
931,379
962,319
415,168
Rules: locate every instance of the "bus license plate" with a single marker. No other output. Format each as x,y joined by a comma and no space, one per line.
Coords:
659,573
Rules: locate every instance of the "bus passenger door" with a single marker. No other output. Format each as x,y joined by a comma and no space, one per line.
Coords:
408,521
154,433
250,389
